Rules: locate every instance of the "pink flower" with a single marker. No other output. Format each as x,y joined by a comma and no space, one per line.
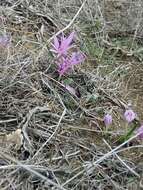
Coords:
77,58
140,132
67,63
129,115
62,45
66,59
108,119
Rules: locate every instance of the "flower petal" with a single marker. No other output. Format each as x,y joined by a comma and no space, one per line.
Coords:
129,115
56,42
65,44
64,66
77,58
108,119
140,132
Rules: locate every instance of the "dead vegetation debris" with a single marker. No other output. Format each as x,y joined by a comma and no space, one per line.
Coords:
50,139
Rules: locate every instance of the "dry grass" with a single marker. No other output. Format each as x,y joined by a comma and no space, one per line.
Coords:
63,142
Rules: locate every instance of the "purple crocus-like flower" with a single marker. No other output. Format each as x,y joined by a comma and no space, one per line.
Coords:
129,115
108,119
62,45
67,63
66,59
77,58
140,132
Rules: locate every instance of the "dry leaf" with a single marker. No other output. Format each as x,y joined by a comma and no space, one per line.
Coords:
15,137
